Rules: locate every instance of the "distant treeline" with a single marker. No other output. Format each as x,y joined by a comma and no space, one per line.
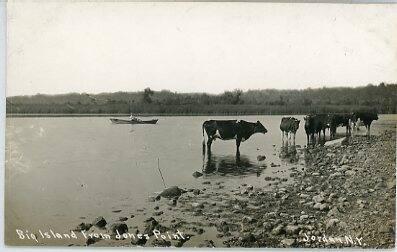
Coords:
381,98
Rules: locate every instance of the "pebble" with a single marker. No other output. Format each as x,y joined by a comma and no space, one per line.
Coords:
158,213
197,205
336,174
303,195
197,174
321,206
83,227
287,242
99,222
331,223
350,173
292,229
318,199
172,202
120,227
278,230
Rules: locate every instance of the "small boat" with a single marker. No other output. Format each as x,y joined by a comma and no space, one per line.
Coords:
133,121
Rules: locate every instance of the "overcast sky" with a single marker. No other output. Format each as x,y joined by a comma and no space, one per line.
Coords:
197,47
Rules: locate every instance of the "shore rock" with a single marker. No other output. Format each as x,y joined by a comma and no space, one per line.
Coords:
120,228
99,222
336,142
207,244
331,223
171,192
161,243
287,242
83,227
248,238
172,202
197,174
318,199
152,224
321,206
91,240
292,229
278,230
140,242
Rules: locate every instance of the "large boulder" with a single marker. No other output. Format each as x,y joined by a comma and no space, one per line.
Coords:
172,192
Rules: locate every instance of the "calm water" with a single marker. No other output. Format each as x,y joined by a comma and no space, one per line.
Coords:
60,169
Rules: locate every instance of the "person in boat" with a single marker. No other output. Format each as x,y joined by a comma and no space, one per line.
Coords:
133,118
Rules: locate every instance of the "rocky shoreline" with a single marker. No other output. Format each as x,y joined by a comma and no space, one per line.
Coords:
344,196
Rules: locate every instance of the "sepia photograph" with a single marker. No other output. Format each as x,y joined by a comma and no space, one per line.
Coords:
200,124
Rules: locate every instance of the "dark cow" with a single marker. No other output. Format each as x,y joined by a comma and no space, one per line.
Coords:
230,129
336,120
366,117
288,127
314,124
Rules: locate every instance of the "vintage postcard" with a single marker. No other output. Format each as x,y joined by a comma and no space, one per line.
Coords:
158,124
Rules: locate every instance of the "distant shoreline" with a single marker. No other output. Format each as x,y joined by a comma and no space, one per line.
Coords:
379,98
144,115
126,115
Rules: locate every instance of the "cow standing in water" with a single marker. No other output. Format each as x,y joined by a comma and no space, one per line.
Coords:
336,120
366,118
288,127
230,129
314,124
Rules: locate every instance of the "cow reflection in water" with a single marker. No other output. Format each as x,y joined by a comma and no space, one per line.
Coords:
289,153
230,165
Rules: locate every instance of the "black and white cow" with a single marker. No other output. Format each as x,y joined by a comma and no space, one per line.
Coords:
230,129
288,127
336,120
366,117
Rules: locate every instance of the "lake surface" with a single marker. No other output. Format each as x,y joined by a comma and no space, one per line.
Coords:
62,169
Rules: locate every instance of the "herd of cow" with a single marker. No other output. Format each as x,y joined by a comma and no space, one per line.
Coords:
317,123
314,124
